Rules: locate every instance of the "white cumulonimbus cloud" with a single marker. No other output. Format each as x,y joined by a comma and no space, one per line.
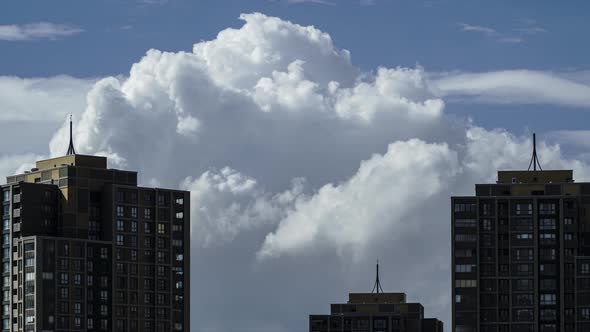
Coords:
42,99
298,161
350,215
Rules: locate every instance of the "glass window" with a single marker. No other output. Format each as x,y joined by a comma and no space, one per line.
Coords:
547,298
547,224
547,208
104,253
63,278
465,223
161,228
524,208
465,237
467,268
77,308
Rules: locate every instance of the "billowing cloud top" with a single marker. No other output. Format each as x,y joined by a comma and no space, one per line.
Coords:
302,169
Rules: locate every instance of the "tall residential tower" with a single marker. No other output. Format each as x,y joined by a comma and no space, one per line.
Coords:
85,249
521,254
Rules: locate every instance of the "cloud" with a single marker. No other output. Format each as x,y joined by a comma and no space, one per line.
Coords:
225,203
477,28
153,2
42,99
532,30
500,37
350,215
321,2
298,161
530,27
40,30
511,40
576,140
515,86
17,163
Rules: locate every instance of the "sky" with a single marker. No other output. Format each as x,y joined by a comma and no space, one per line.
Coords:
315,136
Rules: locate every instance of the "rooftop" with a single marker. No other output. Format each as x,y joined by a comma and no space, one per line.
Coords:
354,298
73,160
529,177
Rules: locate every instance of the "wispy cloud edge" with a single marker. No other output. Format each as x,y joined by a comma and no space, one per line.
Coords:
36,31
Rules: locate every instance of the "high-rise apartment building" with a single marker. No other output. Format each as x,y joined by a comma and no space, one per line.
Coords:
521,254
85,249
375,312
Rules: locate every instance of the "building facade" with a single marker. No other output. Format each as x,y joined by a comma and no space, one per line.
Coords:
86,249
521,254
375,312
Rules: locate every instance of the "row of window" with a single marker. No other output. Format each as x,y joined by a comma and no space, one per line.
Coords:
465,268
465,207
524,208
163,198
123,268
465,283
515,236
148,242
148,283
147,213
148,227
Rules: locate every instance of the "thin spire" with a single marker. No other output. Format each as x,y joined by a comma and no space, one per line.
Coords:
534,160
377,288
71,149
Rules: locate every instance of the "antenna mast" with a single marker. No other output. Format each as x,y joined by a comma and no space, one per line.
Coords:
534,160
71,150
377,288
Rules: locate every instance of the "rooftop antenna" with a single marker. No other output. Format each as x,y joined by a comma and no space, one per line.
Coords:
534,160
377,288
71,150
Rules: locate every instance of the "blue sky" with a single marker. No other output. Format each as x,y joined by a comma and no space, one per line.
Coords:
301,156
387,33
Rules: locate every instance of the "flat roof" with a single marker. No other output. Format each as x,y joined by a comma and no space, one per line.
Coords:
73,160
376,298
551,176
